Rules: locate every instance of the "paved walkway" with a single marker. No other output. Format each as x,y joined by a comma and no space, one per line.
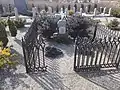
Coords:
59,76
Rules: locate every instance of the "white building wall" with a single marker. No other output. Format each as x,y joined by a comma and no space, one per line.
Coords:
6,2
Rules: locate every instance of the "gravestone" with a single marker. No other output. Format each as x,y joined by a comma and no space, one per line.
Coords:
50,10
101,10
66,11
78,1
4,10
16,13
104,10
61,10
95,10
38,9
80,11
50,0
86,9
109,11
34,12
61,26
74,9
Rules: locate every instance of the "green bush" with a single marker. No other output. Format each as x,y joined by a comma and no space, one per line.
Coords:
113,25
48,26
3,22
19,23
115,13
3,34
78,26
12,28
71,12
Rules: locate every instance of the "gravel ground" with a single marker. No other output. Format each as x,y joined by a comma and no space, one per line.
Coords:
59,75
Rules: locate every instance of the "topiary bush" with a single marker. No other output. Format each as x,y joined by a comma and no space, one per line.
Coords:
78,26
19,23
3,35
57,9
47,26
46,8
75,7
63,8
12,28
69,7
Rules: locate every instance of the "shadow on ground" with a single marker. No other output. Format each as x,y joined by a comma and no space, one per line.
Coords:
108,79
68,49
51,79
11,79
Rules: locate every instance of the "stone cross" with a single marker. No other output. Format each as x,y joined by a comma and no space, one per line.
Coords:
16,13
95,9
104,10
80,11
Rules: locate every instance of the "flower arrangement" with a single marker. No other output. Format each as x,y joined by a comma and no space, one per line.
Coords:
71,12
6,57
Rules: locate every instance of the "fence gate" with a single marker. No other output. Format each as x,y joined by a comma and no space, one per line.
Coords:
33,50
102,53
